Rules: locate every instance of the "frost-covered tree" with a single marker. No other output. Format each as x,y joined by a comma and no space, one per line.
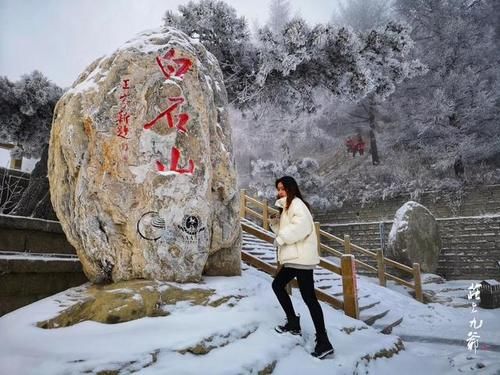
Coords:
362,15
305,171
454,109
279,14
26,109
302,61
224,34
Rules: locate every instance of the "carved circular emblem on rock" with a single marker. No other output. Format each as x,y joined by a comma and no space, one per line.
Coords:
191,224
151,226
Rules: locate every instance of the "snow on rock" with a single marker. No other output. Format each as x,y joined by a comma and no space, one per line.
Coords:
141,166
400,222
414,237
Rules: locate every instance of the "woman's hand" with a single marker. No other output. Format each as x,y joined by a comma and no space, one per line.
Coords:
274,219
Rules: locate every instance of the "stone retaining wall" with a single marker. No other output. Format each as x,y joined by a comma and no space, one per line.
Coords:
25,279
470,245
36,261
476,201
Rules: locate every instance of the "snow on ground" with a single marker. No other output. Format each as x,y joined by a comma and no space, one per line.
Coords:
241,338
242,334
448,319
46,257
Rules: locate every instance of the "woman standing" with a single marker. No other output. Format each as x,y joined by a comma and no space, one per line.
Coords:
298,256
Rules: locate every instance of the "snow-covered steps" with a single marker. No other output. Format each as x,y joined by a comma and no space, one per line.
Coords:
372,309
235,336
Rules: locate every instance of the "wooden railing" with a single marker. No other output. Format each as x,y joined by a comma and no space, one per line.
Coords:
347,266
249,205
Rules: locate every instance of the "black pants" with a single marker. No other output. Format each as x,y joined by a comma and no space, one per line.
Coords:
306,286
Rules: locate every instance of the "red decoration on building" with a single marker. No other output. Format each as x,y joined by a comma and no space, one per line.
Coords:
176,67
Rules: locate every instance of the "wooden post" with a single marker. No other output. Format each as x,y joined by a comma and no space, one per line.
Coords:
318,228
381,267
243,203
347,244
418,282
349,287
265,215
16,163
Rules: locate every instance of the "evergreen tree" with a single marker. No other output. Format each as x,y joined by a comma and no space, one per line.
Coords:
454,109
302,61
363,15
224,34
26,109
279,15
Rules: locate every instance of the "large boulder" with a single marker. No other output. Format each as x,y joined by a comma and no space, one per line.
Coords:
414,237
142,175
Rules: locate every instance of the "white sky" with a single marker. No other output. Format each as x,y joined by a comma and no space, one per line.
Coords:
61,37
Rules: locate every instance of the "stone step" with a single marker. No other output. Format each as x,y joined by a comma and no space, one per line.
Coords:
366,307
372,319
387,329
24,262
33,235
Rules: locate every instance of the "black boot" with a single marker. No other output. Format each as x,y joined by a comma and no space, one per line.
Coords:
292,325
323,346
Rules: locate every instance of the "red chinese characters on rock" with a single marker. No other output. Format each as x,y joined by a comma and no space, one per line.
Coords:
181,118
123,117
173,67
174,162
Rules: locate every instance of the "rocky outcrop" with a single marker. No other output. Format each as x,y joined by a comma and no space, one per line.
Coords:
126,301
141,170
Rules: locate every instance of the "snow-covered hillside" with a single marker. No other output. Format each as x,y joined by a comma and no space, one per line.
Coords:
236,337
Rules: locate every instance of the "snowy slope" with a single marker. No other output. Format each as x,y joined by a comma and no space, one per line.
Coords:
238,336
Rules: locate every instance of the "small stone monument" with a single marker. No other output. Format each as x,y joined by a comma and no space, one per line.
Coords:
141,167
414,237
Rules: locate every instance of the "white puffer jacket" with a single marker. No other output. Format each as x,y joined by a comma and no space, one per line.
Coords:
295,234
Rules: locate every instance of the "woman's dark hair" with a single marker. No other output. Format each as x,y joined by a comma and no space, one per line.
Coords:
292,190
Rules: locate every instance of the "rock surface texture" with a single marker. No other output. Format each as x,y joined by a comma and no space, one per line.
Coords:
142,175
414,237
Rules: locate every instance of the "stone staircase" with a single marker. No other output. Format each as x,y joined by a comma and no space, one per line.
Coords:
36,261
372,310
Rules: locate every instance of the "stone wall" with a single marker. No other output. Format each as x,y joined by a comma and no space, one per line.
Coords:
24,234
25,279
472,202
36,261
470,245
